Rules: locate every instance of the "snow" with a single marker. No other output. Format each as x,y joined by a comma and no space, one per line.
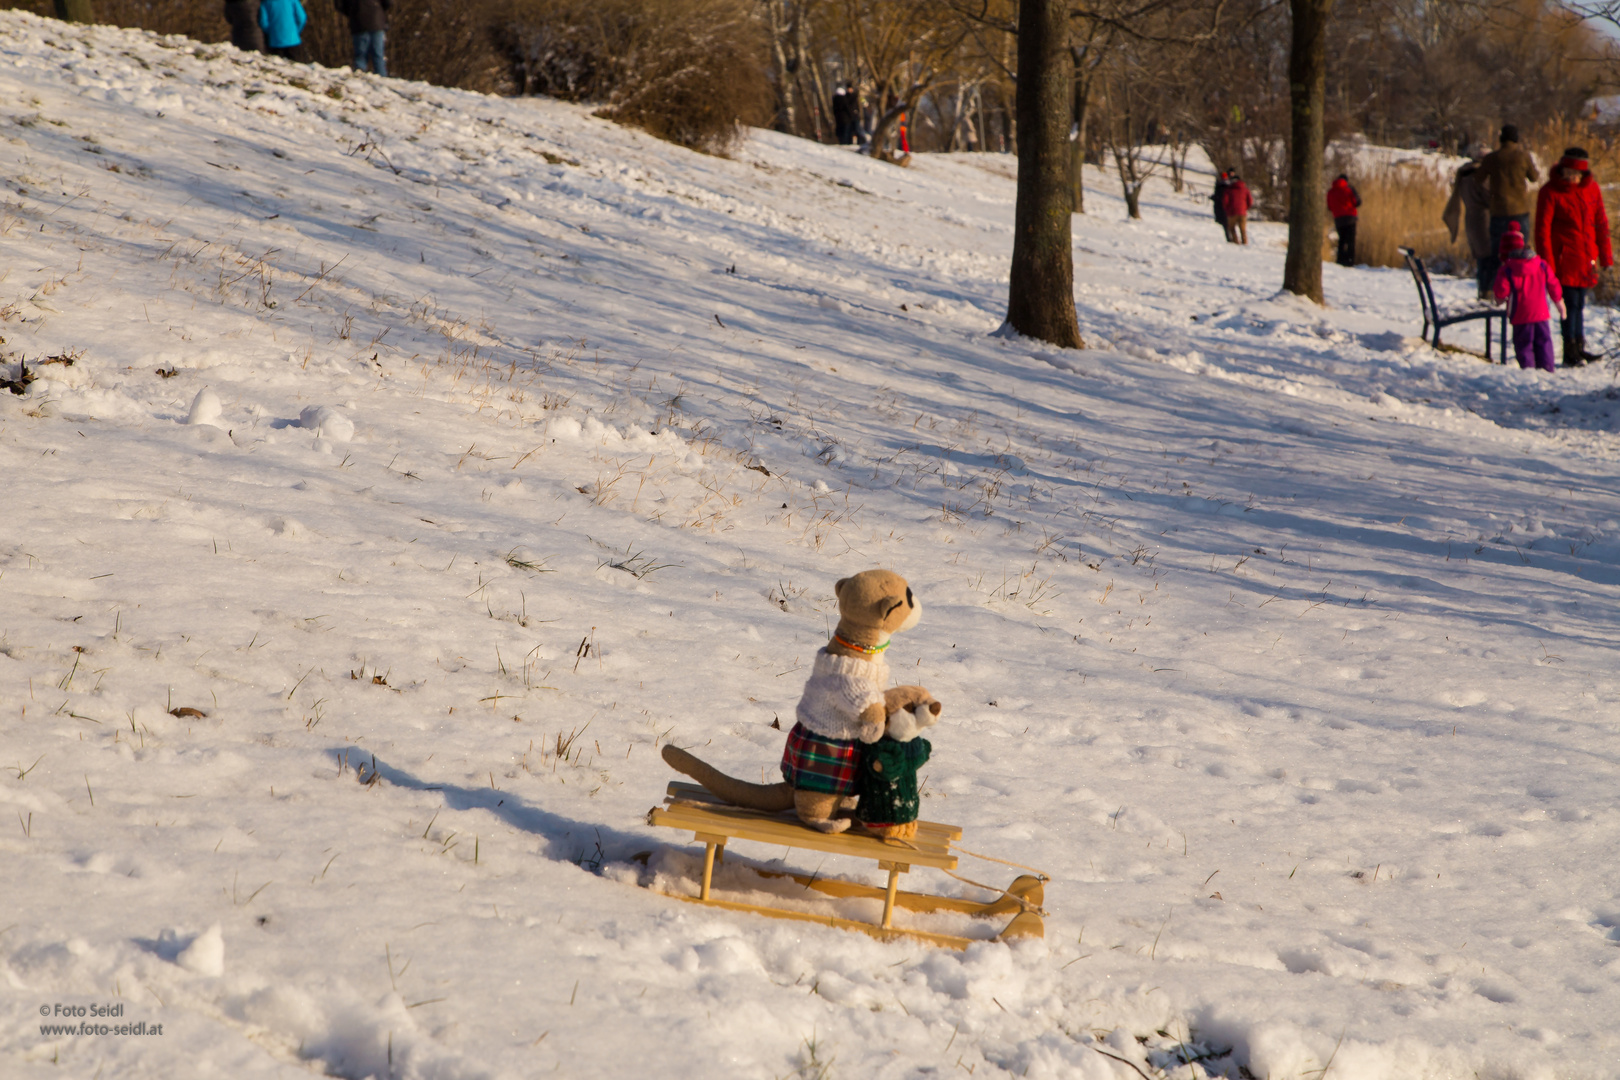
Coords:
427,460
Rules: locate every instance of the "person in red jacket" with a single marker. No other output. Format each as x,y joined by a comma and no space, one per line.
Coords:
1237,202
1342,202
1572,233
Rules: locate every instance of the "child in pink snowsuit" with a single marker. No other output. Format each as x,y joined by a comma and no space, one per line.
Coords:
1525,281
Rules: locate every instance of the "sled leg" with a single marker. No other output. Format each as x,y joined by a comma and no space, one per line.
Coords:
712,846
895,870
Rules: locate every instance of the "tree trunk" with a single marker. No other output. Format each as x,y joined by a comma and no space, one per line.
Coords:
79,11
823,99
1040,294
1077,148
786,63
1307,87
955,142
887,130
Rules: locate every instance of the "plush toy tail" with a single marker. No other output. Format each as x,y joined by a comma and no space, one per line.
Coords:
737,792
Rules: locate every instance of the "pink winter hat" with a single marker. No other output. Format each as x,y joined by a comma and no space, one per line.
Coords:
1512,240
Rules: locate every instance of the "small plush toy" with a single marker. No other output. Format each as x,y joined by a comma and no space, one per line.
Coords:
846,703
886,779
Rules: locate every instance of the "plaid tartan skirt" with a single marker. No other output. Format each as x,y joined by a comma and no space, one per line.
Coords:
813,763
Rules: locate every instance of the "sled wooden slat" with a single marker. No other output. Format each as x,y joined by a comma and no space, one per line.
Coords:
692,793
749,825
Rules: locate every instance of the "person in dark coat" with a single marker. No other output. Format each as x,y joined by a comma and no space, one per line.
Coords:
1343,202
243,15
1238,201
368,23
1572,233
1470,207
1506,174
846,110
283,24
1222,182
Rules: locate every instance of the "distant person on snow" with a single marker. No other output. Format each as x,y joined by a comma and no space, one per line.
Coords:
1525,281
1222,182
368,23
283,24
1237,203
243,15
846,109
1572,233
1470,206
1506,173
1343,201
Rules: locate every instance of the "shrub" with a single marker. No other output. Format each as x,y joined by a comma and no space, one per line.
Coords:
690,71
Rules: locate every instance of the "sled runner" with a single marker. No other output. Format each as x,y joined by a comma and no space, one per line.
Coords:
714,823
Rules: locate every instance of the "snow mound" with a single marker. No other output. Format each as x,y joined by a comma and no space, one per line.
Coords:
205,408
206,953
327,423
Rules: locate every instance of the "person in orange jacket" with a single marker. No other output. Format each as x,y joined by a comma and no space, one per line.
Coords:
1572,233
1343,201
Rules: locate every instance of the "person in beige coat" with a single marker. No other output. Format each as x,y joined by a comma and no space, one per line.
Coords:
1470,208
1506,174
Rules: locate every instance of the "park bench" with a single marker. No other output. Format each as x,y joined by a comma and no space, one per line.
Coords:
715,823
1436,318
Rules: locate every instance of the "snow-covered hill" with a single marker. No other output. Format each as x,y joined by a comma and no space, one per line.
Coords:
524,443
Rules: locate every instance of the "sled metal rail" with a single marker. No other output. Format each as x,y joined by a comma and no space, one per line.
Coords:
714,824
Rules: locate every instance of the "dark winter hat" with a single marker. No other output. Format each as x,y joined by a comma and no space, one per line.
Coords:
1510,133
1512,240
1576,152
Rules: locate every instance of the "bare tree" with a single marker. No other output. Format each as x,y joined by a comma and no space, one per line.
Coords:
1089,46
1307,81
1130,125
80,11
1040,294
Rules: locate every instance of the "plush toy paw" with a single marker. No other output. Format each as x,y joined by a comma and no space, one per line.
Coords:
908,723
816,809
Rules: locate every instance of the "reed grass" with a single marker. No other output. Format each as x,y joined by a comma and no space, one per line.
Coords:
1401,204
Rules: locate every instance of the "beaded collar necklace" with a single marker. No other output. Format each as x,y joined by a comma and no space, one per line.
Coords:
865,650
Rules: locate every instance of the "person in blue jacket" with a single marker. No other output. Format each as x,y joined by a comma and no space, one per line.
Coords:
283,24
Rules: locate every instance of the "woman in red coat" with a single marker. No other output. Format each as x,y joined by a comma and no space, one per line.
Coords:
1343,201
1237,201
1572,233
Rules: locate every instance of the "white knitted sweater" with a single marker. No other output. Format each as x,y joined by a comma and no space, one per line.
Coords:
839,688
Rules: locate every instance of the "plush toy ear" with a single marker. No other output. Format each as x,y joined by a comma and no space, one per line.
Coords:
838,586
935,707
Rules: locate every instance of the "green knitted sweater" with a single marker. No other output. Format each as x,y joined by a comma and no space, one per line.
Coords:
886,780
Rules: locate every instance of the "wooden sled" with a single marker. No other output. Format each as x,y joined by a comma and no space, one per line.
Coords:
714,823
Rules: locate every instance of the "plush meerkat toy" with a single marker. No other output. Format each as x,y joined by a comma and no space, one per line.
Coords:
846,703
886,778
